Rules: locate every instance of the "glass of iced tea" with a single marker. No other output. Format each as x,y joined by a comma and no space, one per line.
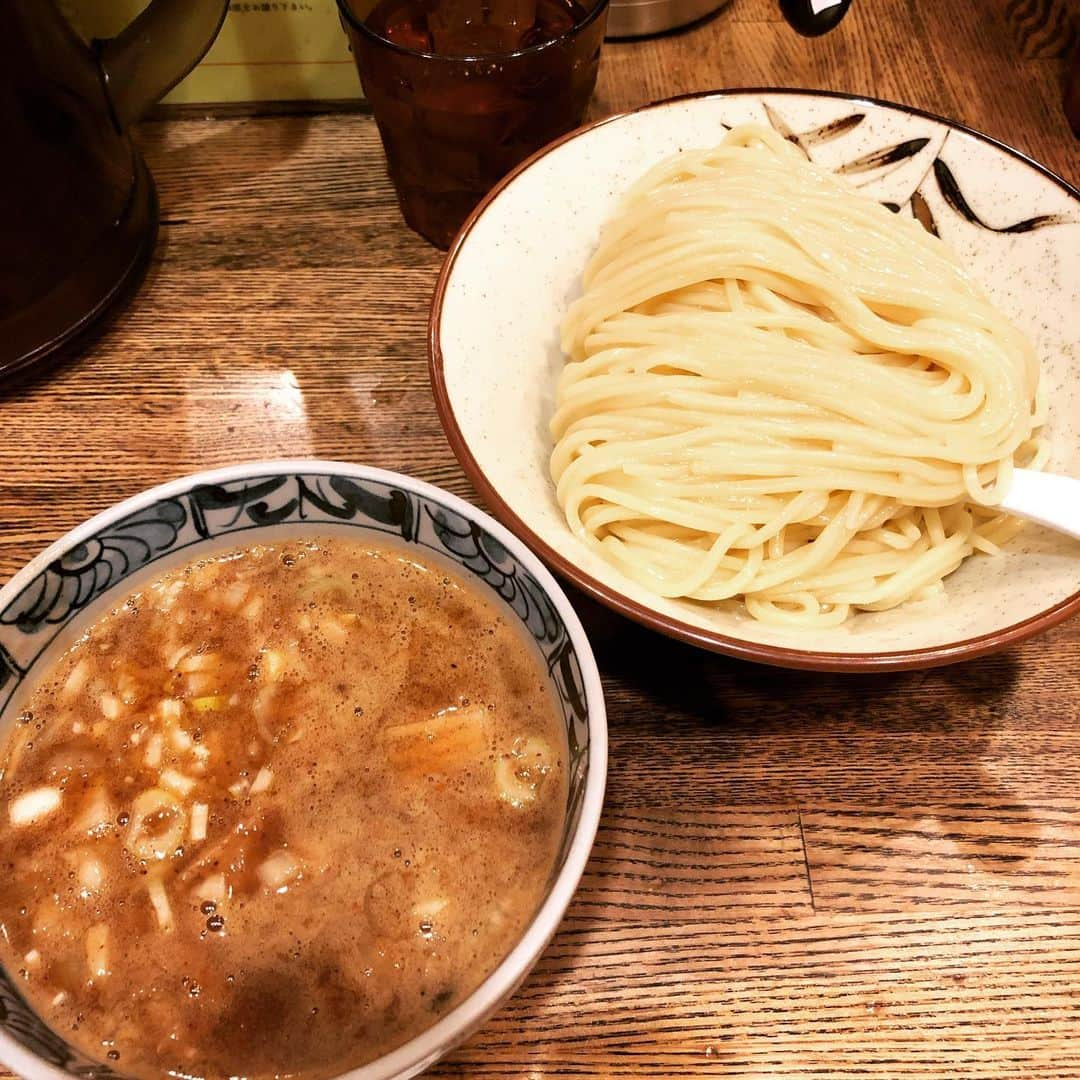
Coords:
463,90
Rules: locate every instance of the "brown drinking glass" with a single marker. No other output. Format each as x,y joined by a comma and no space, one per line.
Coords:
463,90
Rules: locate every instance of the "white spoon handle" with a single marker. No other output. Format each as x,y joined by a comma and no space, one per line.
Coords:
1046,498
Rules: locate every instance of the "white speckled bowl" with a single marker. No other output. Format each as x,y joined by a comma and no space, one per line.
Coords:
516,266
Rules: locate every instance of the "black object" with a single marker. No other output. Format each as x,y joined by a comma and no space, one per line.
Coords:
78,212
812,18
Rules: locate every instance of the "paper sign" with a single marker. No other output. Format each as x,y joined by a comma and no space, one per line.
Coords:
268,50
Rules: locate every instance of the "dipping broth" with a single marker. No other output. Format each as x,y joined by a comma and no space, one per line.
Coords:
277,813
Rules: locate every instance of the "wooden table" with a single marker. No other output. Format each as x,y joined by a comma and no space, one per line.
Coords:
797,875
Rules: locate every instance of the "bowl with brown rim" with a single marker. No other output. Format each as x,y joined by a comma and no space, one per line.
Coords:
516,266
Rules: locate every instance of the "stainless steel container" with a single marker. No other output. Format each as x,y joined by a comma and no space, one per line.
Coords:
637,18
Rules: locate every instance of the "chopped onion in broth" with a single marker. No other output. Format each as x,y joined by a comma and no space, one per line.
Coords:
318,763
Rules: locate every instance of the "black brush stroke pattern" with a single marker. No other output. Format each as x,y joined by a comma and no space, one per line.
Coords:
805,139
950,191
832,130
781,128
922,213
888,155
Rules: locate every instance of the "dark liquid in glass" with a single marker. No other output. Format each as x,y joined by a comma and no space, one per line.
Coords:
469,92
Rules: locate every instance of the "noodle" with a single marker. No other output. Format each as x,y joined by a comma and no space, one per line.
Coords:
781,391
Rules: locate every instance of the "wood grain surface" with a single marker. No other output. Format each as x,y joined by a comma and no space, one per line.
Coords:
797,875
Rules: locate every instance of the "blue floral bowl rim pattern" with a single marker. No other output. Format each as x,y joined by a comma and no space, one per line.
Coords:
425,1049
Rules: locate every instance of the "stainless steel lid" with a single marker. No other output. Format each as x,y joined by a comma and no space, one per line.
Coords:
636,18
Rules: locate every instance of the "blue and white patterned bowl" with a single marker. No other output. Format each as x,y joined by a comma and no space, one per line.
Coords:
47,604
